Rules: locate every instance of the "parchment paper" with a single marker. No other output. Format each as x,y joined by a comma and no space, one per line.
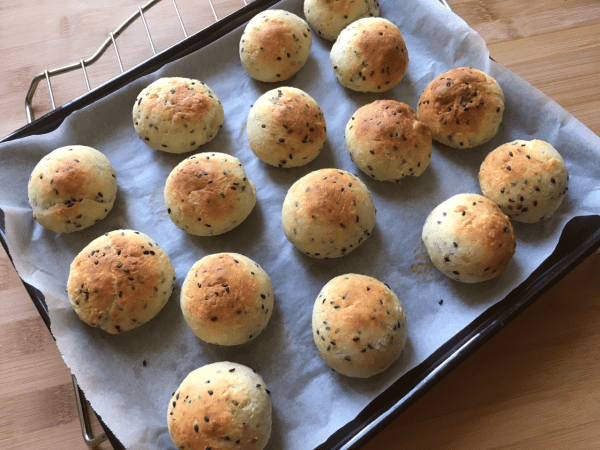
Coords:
309,400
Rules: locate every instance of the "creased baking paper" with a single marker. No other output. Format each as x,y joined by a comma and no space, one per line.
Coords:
309,400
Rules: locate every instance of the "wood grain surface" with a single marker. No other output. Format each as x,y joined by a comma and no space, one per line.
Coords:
535,385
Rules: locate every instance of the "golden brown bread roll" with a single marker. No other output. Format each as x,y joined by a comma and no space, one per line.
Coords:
463,107
120,281
222,405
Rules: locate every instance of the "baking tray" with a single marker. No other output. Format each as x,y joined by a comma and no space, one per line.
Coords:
580,237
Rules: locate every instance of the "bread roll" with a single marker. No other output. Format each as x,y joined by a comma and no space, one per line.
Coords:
227,299
469,239
209,194
222,405
177,115
120,281
275,45
328,213
72,188
330,17
387,142
526,179
286,128
359,325
369,55
463,107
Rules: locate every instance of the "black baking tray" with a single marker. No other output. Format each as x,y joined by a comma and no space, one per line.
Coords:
580,238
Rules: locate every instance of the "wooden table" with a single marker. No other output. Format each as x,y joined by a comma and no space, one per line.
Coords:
536,385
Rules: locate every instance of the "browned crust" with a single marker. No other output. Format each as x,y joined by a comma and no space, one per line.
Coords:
388,125
293,110
274,41
527,179
64,179
483,223
222,403
324,198
461,101
358,306
469,238
384,50
201,187
357,325
176,101
374,56
221,290
289,127
122,275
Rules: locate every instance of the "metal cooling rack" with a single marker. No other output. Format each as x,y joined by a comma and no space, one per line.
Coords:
83,407
110,41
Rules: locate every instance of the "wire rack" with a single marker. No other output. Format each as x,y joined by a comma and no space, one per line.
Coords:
83,407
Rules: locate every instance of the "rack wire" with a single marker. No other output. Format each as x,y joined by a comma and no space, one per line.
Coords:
111,40
83,407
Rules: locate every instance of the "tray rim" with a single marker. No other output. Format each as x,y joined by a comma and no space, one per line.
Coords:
380,411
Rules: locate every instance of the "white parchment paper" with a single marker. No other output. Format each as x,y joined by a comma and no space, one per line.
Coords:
309,400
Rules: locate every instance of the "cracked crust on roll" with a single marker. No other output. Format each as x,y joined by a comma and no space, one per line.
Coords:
120,281
177,115
227,299
222,405
209,194
387,142
359,325
463,107
72,188
469,238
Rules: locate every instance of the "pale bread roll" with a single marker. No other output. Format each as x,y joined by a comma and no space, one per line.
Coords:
72,188
177,115
330,17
